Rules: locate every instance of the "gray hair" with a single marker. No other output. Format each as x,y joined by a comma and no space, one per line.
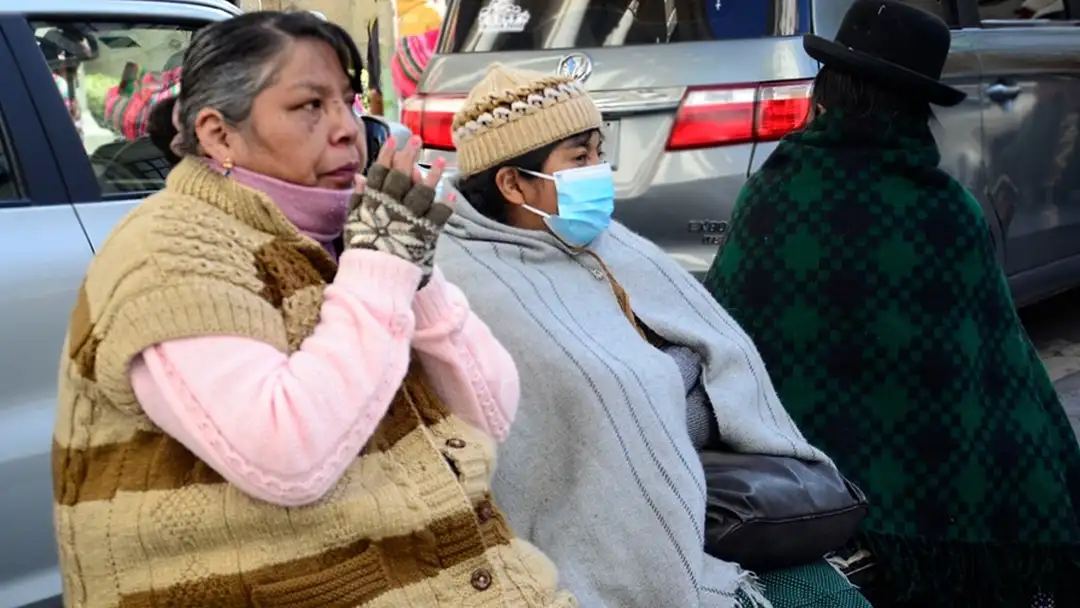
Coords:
230,62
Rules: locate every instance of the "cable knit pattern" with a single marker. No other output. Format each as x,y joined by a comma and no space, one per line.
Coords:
143,522
497,110
502,119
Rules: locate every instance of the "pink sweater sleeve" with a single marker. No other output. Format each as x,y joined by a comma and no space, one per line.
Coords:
283,428
468,368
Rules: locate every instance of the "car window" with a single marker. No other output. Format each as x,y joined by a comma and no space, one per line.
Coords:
110,75
520,25
1013,10
10,187
941,8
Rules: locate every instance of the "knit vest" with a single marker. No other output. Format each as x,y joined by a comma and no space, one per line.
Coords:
141,522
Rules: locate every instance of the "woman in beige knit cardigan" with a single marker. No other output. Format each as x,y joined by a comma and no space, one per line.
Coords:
268,395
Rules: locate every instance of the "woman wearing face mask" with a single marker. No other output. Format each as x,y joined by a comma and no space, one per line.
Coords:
627,365
268,396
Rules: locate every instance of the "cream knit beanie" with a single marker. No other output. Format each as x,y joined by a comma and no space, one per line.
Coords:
511,112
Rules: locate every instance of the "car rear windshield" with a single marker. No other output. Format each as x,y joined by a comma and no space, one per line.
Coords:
481,26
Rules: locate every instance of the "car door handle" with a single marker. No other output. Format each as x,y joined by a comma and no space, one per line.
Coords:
1001,92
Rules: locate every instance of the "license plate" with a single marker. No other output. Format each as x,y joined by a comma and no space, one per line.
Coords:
610,130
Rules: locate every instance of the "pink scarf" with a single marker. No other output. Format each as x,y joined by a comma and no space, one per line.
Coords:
317,212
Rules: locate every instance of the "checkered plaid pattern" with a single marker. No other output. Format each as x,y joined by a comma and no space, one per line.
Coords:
128,111
816,585
868,280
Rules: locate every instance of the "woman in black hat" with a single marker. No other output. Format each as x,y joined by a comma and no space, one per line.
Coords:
868,280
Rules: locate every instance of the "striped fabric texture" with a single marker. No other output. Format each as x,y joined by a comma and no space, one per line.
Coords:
70,102
410,59
65,91
128,111
143,523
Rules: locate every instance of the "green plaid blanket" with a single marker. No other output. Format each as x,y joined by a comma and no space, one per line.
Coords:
868,280
816,585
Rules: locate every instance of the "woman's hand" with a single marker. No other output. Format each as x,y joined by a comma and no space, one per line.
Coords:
394,209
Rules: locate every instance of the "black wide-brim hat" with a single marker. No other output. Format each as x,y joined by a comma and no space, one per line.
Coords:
900,46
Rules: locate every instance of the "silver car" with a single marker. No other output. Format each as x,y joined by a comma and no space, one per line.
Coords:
65,179
695,94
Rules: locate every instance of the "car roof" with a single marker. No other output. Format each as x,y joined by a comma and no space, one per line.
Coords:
211,3
175,8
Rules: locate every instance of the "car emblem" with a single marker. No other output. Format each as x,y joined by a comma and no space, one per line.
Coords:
577,66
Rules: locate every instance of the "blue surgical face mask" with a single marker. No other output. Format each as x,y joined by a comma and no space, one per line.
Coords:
586,202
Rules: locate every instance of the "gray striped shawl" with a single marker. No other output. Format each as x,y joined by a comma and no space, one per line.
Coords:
599,470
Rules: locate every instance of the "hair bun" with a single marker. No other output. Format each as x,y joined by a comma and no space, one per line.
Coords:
161,130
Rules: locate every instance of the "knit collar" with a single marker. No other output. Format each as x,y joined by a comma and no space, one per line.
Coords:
193,177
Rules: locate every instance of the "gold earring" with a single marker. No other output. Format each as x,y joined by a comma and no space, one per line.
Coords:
228,166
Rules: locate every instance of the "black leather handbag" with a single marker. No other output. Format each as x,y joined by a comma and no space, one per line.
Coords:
770,512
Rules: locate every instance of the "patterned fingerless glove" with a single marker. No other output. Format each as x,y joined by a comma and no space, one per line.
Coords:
396,216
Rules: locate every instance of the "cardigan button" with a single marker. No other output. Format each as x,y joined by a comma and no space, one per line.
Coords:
481,579
455,443
485,512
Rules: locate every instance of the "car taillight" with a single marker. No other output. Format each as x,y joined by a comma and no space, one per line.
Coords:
412,114
430,117
720,116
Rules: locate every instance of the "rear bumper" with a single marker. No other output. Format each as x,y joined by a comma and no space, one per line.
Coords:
683,204
686,204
